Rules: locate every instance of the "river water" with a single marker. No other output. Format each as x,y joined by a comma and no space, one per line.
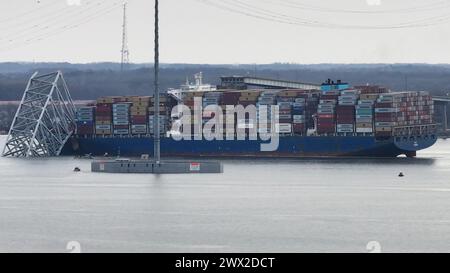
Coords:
309,205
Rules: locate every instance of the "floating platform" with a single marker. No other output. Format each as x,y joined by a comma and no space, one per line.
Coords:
150,166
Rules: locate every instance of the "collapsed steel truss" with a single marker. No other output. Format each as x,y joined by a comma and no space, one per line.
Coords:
45,119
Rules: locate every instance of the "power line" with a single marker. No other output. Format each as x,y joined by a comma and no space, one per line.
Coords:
65,28
14,17
246,9
417,23
36,16
52,21
52,24
294,4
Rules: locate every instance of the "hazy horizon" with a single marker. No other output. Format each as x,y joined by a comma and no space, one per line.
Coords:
217,64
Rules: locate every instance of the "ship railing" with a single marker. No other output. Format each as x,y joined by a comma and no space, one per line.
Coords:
414,130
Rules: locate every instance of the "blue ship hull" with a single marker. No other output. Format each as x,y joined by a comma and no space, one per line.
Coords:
290,146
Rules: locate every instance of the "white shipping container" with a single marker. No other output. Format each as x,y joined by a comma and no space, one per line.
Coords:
120,118
139,126
121,109
348,126
298,117
347,103
348,97
332,102
345,130
350,92
325,111
284,116
139,132
283,128
161,117
264,130
120,112
299,105
364,116
387,110
364,120
246,124
126,116
365,102
364,107
120,123
121,105
364,130
103,127
121,131
385,124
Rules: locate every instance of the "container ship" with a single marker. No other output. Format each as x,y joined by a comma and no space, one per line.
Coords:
332,120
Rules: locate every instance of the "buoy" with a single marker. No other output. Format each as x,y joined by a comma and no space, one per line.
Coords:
77,169
401,174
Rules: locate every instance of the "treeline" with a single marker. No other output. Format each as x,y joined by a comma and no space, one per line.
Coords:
91,81
7,113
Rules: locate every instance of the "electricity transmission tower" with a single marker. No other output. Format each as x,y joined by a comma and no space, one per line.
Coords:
125,52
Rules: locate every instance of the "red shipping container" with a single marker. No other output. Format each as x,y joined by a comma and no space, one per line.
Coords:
329,97
139,119
384,105
325,116
104,105
385,119
386,115
326,119
298,127
345,120
121,126
247,103
229,101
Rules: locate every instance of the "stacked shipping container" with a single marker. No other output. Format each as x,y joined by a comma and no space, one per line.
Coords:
103,116
267,99
139,115
121,118
326,112
345,111
229,98
284,125
337,111
164,110
402,109
299,124
364,113
248,123
85,120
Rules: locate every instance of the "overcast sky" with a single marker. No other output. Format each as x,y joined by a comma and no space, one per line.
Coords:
228,31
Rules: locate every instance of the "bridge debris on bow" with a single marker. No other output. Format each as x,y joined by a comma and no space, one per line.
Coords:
45,119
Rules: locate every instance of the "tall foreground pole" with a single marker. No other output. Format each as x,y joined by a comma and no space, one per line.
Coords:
157,140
